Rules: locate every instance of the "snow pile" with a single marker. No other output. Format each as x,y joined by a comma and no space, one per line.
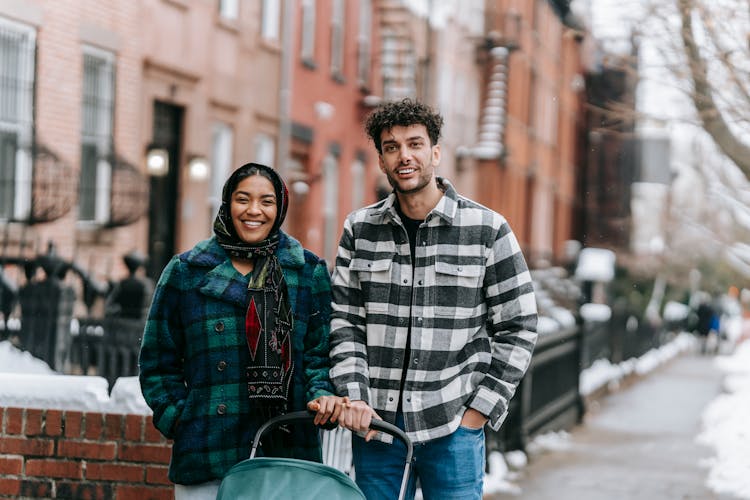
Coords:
13,360
603,373
500,477
725,427
28,382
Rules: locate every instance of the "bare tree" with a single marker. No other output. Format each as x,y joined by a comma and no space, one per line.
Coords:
699,21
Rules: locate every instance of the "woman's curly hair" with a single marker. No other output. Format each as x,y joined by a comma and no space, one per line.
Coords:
403,113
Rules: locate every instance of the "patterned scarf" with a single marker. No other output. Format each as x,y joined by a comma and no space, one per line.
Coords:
268,320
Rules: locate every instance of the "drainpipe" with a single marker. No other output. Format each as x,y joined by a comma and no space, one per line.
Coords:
285,89
428,56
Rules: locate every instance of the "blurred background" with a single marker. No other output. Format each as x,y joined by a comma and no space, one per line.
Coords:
613,136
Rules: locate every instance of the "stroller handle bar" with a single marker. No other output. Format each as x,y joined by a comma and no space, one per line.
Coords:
378,425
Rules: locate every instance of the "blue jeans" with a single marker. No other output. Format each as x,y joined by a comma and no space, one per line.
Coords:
450,467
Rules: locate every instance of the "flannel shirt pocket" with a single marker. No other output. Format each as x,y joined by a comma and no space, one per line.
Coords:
375,281
457,289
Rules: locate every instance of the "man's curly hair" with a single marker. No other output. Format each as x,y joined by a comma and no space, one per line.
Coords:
403,113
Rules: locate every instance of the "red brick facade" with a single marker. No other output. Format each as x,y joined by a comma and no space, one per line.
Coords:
73,454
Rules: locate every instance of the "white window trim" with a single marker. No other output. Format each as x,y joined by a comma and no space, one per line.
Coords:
358,183
270,25
338,18
222,150
265,149
330,206
23,174
229,9
364,42
307,48
103,144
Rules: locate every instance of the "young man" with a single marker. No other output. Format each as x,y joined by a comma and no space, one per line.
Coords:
434,317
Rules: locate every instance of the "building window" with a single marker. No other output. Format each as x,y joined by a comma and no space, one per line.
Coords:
96,135
307,51
17,48
337,39
270,20
330,206
364,43
229,9
265,150
222,145
358,182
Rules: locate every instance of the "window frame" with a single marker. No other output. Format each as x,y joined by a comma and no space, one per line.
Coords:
229,10
364,43
338,35
100,137
307,36
270,20
23,127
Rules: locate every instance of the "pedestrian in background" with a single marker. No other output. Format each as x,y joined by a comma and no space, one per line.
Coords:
434,317
705,322
238,333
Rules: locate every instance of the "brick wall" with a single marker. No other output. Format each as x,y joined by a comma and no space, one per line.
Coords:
72,454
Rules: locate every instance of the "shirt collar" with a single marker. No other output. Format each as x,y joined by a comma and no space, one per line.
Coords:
445,208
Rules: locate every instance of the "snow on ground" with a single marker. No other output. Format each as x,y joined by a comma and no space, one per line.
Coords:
726,428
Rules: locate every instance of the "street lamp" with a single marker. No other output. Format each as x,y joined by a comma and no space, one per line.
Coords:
198,168
157,161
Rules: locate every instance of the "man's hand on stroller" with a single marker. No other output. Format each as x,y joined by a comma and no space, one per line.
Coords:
357,416
327,408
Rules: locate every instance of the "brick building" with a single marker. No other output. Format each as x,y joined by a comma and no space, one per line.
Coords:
332,167
104,103
527,153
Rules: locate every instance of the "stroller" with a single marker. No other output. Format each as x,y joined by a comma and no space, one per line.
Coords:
266,478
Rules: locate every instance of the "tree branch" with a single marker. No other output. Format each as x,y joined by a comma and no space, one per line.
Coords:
712,120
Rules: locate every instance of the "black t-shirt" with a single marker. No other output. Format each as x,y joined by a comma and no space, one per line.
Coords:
411,226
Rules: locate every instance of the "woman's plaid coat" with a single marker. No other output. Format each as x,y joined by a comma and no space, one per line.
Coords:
194,354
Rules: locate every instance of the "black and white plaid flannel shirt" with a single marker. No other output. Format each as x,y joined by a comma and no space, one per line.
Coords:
471,304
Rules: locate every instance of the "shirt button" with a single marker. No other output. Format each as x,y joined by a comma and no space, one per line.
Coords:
460,268
419,320
424,242
221,365
416,361
221,409
420,282
408,400
390,399
406,281
219,327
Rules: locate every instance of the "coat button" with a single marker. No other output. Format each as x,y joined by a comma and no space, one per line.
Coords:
221,365
221,409
219,327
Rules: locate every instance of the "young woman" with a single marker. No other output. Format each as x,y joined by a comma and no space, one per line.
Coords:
237,333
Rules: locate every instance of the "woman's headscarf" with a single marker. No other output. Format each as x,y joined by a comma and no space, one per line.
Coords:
224,228
268,320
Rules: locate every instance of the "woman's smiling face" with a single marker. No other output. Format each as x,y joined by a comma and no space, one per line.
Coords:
253,208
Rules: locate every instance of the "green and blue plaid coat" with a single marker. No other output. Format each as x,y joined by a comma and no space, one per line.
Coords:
194,356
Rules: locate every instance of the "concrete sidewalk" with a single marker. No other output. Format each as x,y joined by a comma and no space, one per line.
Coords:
638,443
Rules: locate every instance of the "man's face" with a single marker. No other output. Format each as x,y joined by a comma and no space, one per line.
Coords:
408,159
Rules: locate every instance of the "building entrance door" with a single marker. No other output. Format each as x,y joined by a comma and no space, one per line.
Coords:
163,196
